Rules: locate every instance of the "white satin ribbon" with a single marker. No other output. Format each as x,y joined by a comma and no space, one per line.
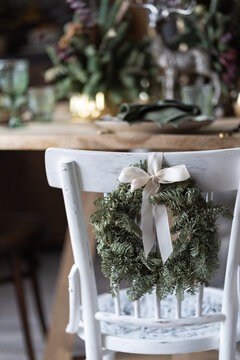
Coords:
151,181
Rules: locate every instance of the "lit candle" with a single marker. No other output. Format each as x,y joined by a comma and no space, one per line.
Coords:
236,106
83,108
100,101
238,100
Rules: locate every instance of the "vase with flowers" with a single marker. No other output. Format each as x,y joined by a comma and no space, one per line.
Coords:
96,57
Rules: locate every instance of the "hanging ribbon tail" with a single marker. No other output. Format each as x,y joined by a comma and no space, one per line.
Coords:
151,181
148,234
163,232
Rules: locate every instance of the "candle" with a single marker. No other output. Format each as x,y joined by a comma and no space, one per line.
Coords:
100,101
236,106
84,108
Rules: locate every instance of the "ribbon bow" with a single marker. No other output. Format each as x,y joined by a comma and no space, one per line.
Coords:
151,181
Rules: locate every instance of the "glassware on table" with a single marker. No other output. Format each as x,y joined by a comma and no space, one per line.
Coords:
201,96
14,77
204,99
41,102
188,94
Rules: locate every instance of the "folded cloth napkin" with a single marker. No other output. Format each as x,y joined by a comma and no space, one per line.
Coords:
162,112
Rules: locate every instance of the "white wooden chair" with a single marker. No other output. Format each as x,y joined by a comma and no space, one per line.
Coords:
107,325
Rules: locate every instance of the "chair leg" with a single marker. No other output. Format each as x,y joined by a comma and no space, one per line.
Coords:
19,288
37,299
109,355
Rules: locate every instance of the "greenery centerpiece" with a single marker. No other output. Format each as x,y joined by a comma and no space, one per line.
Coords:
96,54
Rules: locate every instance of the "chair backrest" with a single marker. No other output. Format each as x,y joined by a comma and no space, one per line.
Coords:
93,171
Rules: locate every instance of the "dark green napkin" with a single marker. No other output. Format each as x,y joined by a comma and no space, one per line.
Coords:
162,112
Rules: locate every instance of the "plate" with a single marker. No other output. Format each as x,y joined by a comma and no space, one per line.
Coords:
150,127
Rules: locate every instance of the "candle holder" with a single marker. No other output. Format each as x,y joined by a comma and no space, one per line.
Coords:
236,106
84,109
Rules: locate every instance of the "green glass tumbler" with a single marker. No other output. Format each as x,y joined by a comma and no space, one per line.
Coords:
41,102
14,78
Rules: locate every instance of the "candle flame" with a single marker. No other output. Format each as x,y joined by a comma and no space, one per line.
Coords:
84,108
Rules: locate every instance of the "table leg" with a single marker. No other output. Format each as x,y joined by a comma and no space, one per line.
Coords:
59,345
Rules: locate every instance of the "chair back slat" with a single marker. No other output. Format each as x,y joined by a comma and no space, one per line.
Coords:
199,301
99,171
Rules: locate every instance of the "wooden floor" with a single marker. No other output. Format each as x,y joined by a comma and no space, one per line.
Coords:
210,355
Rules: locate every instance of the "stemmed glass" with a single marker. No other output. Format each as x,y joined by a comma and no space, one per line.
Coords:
14,77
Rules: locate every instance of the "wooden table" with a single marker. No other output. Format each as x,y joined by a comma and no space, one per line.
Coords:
62,133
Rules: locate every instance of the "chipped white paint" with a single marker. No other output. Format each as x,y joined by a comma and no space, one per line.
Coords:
178,309
157,306
136,305
74,300
75,170
160,323
199,301
75,215
117,304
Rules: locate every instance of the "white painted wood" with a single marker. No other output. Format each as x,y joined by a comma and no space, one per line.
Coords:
75,170
160,323
178,309
206,196
117,304
74,300
213,169
157,306
108,355
158,346
136,305
238,286
72,198
228,335
199,301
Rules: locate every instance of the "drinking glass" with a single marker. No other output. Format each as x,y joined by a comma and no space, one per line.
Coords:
204,99
188,94
14,77
42,102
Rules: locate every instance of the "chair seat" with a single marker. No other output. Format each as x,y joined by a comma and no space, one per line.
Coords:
145,340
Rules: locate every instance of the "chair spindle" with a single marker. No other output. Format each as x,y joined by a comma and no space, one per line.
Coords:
157,306
211,195
178,309
206,196
199,301
117,304
136,305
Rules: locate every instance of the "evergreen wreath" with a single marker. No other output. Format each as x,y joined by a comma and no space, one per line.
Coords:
194,259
